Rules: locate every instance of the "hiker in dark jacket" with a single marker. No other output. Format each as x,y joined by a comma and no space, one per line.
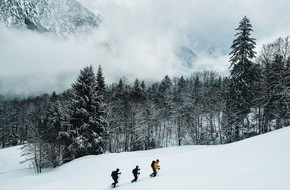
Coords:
115,176
135,172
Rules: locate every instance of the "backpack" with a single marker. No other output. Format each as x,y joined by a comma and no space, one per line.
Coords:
152,164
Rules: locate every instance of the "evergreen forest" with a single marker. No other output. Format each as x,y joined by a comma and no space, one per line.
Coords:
93,117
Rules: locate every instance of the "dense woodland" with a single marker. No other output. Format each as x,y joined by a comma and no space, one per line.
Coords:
93,117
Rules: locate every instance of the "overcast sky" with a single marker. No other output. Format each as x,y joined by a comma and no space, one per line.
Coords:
136,40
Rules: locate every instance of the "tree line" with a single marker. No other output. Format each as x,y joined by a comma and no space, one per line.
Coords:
93,117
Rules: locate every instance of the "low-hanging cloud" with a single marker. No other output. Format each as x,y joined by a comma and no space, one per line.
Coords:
136,40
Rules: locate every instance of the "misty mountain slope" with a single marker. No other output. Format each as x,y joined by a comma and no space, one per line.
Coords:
217,51
261,162
62,17
185,55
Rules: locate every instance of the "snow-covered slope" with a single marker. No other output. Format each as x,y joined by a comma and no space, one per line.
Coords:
259,163
62,17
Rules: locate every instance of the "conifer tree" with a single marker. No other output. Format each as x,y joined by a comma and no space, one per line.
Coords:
137,91
86,129
242,74
274,91
180,109
103,95
101,86
54,119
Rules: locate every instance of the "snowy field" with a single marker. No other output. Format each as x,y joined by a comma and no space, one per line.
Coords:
259,163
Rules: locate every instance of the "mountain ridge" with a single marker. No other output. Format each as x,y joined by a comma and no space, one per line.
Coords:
62,17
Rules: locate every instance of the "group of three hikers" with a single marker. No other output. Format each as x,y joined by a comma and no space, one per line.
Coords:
154,165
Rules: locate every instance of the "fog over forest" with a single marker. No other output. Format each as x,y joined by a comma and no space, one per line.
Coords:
136,39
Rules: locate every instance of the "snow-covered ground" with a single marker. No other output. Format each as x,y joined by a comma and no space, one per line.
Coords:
259,163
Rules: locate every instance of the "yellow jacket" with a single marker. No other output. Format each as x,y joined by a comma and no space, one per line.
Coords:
156,165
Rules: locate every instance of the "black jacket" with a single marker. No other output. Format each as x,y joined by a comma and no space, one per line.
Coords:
115,174
135,171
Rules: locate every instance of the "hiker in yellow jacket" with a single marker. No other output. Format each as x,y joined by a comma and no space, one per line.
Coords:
155,167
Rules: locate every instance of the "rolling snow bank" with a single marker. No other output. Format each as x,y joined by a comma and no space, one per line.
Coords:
259,163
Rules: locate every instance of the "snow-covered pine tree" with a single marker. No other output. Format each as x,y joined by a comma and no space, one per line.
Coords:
116,116
143,90
102,92
242,76
101,86
54,120
136,91
210,103
137,117
280,81
274,96
180,108
165,93
85,131
152,111
196,107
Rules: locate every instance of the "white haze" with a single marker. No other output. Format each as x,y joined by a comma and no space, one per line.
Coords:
136,40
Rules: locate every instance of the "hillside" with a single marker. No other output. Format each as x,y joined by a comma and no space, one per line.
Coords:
257,163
